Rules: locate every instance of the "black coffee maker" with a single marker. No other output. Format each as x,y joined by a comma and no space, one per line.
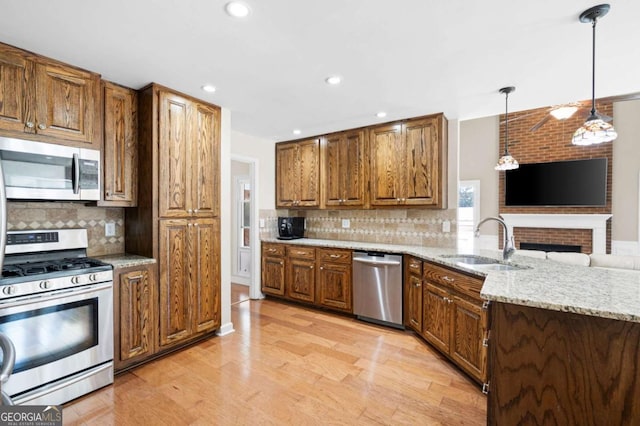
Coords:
290,228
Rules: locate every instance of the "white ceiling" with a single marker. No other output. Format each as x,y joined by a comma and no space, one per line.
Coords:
406,57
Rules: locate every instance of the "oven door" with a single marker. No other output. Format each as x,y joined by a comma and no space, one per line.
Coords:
58,334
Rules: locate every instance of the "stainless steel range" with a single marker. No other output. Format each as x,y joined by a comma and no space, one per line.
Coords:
56,307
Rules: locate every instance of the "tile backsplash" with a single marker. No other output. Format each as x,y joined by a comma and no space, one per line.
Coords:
397,226
61,215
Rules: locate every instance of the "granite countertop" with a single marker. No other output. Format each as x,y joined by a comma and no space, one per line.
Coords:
125,260
606,293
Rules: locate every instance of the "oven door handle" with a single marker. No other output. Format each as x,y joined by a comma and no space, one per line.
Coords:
8,357
20,301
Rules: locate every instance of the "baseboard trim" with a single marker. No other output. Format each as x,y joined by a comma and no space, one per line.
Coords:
225,329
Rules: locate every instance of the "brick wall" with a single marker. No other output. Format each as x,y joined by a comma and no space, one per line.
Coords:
552,142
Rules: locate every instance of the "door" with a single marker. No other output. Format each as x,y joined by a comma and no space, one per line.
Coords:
175,291
334,286
414,299
120,145
420,162
334,179
174,153
136,318
273,273
469,329
67,103
205,261
205,163
300,280
385,165
15,75
352,167
436,324
286,175
309,173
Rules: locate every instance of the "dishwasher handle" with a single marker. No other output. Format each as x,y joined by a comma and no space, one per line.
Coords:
377,262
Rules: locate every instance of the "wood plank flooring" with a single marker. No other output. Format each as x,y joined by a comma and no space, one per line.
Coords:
239,293
286,364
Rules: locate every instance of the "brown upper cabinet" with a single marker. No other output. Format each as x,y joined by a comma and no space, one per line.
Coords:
298,174
408,163
46,100
343,165
120,163
189,142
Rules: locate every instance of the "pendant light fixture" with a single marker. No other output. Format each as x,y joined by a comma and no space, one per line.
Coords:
595,130
506,162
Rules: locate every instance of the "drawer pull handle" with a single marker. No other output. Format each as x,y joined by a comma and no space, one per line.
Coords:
334,256
448,279
272,250
301,252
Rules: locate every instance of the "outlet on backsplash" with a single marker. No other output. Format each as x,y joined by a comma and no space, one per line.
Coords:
110,229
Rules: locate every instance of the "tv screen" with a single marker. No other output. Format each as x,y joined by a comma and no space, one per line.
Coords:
559,183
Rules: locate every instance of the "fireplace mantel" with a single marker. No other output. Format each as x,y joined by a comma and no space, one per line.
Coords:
596,222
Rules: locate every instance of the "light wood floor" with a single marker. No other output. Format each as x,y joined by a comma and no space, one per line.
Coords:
290,365
239,293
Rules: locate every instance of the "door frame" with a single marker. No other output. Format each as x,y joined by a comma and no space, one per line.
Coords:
254,234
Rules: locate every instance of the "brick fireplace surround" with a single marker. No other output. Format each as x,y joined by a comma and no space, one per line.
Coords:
552,142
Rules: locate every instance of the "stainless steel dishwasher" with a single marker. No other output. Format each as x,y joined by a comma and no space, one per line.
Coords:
377,288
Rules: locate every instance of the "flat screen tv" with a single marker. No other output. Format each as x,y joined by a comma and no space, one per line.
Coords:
559,183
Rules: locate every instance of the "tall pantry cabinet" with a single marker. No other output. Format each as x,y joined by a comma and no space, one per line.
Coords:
177,218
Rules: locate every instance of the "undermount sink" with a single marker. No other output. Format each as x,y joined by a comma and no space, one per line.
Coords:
471,259
481,263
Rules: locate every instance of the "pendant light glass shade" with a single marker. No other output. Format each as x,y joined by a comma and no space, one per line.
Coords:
506,162
595,130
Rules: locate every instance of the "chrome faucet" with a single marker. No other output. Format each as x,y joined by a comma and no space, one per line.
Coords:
509,247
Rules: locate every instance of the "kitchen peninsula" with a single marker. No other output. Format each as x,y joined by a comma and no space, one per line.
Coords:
563,339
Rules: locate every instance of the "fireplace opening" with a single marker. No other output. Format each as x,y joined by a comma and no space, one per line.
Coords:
550,247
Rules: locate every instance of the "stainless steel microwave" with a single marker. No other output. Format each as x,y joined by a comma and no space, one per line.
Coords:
45,171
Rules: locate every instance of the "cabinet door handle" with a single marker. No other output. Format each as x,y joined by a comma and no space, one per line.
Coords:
271,250
311,267
41,126
417,285
29,124
136,277
282,263
448,279
195,210
322,268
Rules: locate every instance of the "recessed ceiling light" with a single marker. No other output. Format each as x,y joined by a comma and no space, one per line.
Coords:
333,80
296,131
209,88
237,9
381,114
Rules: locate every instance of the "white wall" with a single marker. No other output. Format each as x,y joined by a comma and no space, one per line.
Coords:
479,145
626,169
225,223
264,150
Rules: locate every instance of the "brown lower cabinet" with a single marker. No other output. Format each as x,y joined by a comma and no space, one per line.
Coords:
135,316
317,276
445,308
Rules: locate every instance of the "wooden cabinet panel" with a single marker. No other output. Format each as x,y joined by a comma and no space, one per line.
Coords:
206,283
135,326
408,163
334,286
469,331
300,279
301,252
205,176
174,281
15,86
298,174
385,144
273,275
67,101
343,169
48,100
436,324
413,293
120,146
174,155
333,256
309,176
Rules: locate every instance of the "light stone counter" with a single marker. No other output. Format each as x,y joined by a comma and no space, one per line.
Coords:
544,284
125,260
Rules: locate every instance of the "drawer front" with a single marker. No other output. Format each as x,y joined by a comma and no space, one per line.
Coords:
414,266
299,252
334,255
273,249
460,282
